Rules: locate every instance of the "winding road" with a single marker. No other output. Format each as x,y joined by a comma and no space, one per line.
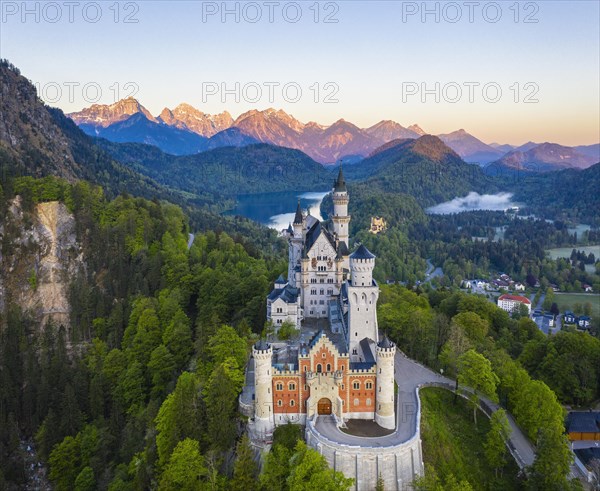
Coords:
411,375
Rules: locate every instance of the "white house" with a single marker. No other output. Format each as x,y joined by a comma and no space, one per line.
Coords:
510,303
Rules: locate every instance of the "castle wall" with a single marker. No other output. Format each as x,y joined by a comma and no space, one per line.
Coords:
398,465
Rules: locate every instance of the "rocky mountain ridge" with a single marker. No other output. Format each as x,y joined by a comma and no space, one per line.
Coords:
186,130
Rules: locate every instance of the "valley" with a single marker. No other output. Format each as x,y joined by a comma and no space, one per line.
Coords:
137,252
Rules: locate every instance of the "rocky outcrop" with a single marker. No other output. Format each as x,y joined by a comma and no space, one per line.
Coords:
43,255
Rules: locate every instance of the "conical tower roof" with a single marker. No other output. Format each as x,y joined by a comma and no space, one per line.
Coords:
362,253
298,218
339,185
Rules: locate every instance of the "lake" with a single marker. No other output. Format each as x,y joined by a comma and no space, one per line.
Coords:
277,210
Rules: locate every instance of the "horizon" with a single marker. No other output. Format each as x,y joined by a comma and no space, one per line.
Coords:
506,73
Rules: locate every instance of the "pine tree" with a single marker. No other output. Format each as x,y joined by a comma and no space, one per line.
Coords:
245,470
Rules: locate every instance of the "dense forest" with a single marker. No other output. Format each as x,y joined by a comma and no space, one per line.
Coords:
149,318
531,374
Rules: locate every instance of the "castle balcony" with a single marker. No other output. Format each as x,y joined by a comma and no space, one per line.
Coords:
311,376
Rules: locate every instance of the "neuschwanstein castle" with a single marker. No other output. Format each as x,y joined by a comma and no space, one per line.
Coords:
341,367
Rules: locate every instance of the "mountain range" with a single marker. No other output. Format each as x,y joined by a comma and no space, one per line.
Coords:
545,157
186,130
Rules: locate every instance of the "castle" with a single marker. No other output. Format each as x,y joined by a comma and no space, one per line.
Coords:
339,367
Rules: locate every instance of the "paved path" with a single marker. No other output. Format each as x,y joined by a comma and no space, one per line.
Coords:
410,375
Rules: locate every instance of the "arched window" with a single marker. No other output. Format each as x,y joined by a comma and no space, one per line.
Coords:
319,368
356,385
292,402
279,403
369,401
329,367
291,386
356,402
279,386
368,385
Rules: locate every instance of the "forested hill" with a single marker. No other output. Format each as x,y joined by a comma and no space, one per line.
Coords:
39,141
569,194
228,171
425,168
144,317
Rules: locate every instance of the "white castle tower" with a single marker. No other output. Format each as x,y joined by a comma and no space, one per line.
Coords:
263,381
363,293
384,412
340,218
295,249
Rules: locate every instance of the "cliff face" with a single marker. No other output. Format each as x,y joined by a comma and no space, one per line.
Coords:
42,256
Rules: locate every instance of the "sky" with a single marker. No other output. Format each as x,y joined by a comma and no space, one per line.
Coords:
507,71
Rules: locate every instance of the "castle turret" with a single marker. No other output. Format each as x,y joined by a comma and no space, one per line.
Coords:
341,219
362,263
363,293
384,412
263,390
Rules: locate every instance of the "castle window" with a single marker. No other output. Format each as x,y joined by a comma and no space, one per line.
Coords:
291,386
342,386
324,355
305,368
279,403
368,402
330,291
356,385
354,352
328,367
313,280
356,402
355,333
321,280
319,368
322,302
292,403
369,385
279,386
321,291
313,291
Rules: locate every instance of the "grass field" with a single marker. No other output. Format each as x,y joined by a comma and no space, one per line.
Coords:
566,251
452,444
566,301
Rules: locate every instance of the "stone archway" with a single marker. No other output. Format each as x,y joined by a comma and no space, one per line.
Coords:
324,407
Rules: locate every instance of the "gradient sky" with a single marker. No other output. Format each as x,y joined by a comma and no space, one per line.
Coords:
370,54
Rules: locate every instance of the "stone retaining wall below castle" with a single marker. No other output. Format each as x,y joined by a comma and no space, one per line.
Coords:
398,465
